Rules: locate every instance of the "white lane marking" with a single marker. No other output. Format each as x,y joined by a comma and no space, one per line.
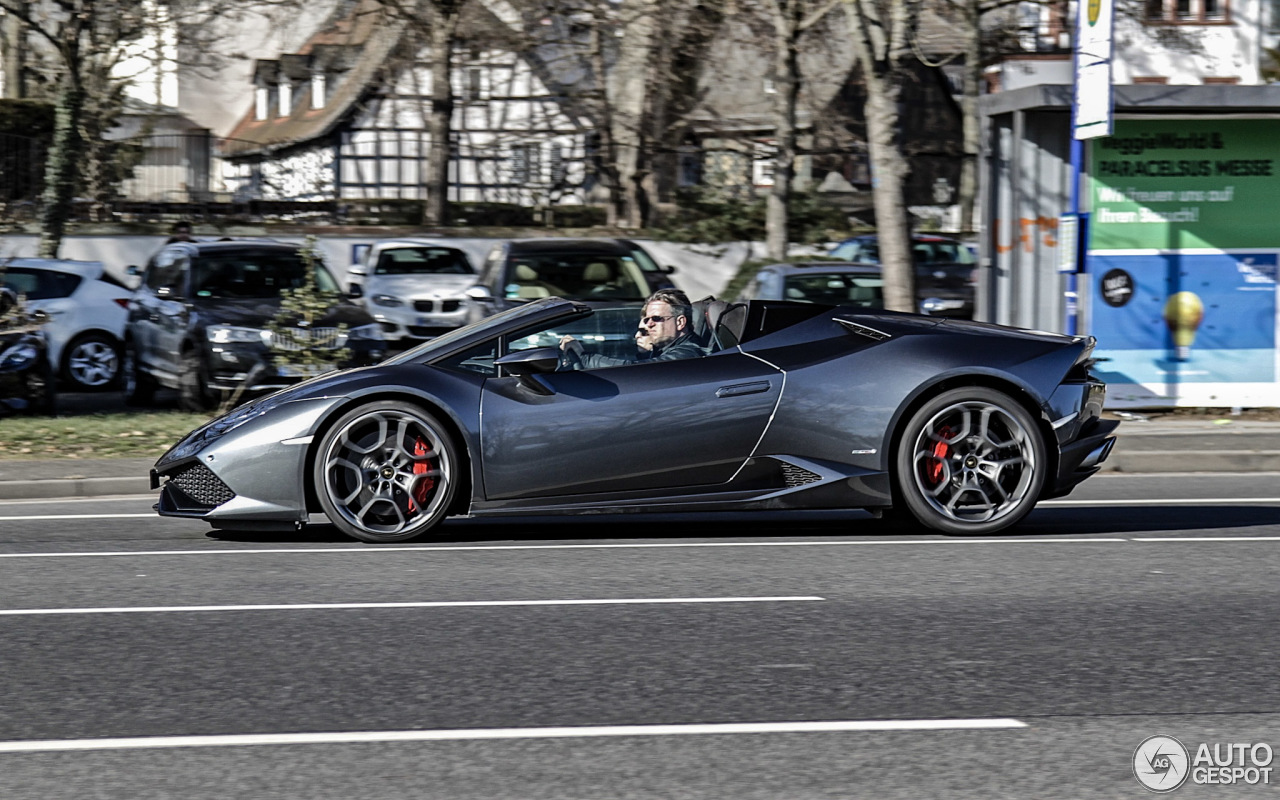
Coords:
625,601
464,734
1207,539
30,517
1168,501
502,547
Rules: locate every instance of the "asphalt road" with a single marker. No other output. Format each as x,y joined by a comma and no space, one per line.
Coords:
509,659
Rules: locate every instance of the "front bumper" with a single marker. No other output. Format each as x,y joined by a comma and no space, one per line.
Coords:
256,472
420,319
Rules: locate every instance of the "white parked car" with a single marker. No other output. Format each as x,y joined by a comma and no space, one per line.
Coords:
415,288
87,309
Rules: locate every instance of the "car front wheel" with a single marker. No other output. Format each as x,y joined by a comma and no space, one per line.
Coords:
386,472
970,461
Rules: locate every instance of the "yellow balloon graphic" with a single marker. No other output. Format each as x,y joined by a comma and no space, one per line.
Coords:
1183,313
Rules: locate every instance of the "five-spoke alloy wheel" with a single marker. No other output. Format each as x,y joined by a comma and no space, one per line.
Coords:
970,461
386,472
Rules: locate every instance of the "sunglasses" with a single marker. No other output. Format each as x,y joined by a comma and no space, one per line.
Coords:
655,319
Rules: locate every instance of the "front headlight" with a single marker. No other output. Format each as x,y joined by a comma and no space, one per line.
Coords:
387,301
222,334
19,356
372,331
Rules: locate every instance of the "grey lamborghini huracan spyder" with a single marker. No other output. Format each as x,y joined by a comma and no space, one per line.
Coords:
961,426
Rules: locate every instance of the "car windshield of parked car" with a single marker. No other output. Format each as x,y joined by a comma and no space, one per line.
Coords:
575,276
836,289
447,342
422,261
253,274
943,252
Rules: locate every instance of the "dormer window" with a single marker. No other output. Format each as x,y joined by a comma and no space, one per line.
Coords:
286,98
261,103
317,89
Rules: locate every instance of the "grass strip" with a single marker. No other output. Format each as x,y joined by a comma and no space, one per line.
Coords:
127,435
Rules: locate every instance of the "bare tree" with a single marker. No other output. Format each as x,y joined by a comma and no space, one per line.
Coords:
881,32
790,19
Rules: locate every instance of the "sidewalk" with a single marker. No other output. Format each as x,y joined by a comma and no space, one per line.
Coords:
1142,447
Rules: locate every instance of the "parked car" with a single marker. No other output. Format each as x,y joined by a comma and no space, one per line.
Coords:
590,270
946,277
830,282
962,426
87,309
414,288
26,373
199,321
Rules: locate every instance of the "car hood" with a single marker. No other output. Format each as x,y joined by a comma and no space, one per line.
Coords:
419,285
257,312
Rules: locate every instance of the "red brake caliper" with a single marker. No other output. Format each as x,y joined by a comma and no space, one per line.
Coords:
940,451
423,486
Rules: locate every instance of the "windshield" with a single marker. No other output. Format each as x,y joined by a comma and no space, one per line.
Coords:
575,276
422,261
836,289
254,274
943,251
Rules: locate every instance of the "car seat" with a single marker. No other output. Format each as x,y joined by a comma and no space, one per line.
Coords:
727,322
528,287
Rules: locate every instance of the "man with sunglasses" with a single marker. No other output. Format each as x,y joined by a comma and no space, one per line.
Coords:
667,324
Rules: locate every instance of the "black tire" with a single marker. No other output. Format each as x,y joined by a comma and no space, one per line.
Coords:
970,461
42,392
139,386
92,362
386,472
194,393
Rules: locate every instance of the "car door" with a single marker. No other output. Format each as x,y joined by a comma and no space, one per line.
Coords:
637,428
172,314
144,311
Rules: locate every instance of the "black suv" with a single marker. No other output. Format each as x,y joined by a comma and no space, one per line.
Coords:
593,270
199,321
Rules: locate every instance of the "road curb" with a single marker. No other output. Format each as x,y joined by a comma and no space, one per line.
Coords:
70,488
1168,461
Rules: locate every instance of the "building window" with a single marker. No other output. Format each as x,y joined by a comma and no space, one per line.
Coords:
286,99
473,85
770,87
1228,81
261,103
1187,12
1150,79
524,163
317,90
559,171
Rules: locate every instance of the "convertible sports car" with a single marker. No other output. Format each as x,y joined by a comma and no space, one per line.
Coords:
961,426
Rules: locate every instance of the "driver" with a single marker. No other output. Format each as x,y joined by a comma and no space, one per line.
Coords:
666,321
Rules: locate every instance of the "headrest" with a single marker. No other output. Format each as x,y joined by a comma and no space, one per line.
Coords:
597,273
524,272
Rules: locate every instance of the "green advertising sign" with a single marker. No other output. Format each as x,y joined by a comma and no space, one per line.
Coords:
1186,183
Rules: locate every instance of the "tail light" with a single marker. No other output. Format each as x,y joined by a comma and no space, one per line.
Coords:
123,302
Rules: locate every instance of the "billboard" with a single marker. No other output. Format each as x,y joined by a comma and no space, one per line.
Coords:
1183,261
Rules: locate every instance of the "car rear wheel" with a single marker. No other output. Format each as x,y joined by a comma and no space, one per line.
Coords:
91,362
971,461
386,472
139,387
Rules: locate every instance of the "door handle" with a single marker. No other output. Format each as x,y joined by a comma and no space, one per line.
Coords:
739,389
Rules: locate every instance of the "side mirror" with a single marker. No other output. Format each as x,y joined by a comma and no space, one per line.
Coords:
534,361
669,270
530,366
40,316
357,269
480,293
355,291
133,269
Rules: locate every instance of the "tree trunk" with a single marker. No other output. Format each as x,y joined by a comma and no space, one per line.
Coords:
62,168
630,97
787,84
972,88
607,152
444,26
888,177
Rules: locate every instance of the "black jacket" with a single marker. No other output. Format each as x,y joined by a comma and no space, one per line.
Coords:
680,347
